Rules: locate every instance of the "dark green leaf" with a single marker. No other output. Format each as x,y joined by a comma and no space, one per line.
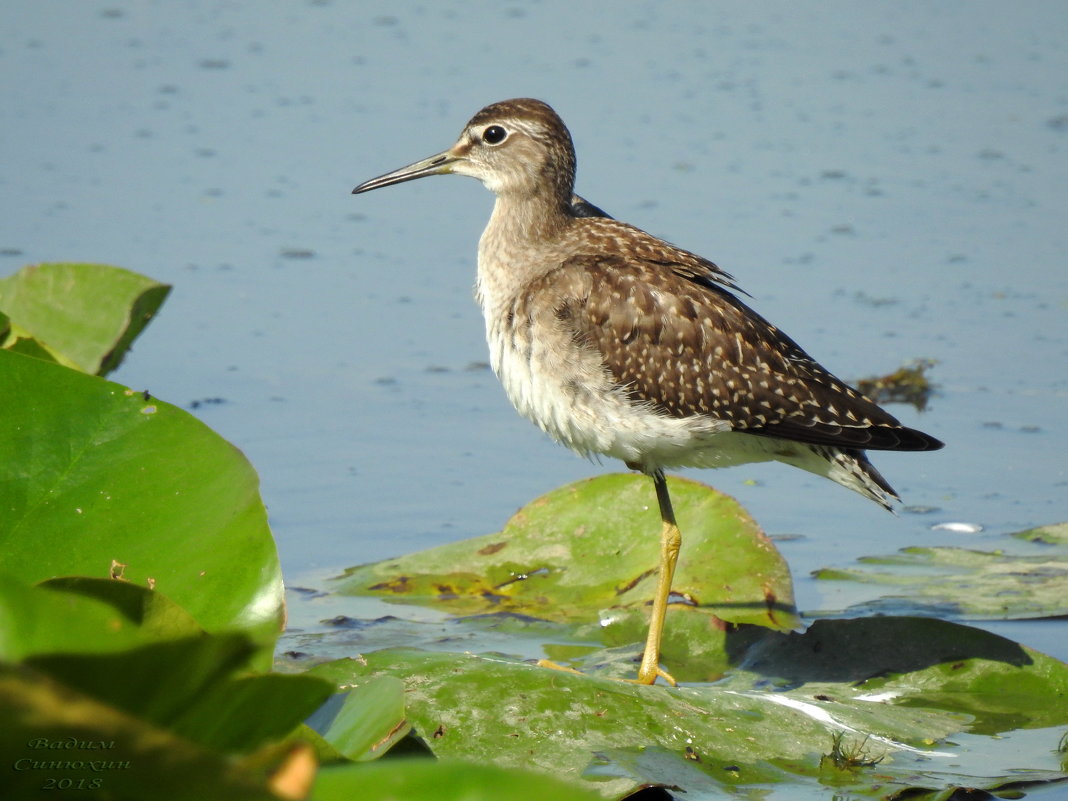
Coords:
74,615
428,780
95,480
194,688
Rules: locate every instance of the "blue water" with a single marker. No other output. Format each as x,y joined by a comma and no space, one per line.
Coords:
887,180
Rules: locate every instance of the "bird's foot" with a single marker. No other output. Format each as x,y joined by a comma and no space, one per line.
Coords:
548,663
657,673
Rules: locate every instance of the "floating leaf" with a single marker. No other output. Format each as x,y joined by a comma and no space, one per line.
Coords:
968,584
594,545
907,384
797,698
76,615
430,780
366,721
697,646
84,316
1056,534
96,480
916,661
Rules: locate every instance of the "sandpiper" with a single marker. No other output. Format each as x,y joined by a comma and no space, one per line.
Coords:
618,343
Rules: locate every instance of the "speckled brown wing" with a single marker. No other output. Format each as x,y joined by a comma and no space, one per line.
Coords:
675,340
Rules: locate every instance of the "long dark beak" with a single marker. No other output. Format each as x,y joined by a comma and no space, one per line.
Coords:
441,164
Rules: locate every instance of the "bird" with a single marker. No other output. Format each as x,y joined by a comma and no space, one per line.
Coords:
619,344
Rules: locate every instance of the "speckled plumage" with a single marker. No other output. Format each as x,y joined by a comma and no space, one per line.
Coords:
617,343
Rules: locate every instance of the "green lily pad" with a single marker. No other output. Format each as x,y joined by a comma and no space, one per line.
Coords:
78,615
96,480
156,615
594,545
915,661
430,780
967,584
366,721
1056,534
194,687
792,707
84,316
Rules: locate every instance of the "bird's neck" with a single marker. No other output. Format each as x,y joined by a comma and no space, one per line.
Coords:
518,246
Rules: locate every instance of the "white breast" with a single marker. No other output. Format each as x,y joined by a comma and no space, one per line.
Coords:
576,404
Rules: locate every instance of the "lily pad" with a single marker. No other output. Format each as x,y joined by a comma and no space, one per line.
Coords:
916,661
85,615
430,780
96,480
194,687
594,545
365,722
84,316
967,584
697,646
755,729
1056,534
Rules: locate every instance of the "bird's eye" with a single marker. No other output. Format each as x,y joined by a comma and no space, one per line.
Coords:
494,135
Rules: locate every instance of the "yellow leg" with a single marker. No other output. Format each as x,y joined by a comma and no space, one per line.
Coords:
670,542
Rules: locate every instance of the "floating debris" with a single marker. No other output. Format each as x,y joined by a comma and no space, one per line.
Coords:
907,384
958,528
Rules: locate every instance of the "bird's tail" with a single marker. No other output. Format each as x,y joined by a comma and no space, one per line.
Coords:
851,469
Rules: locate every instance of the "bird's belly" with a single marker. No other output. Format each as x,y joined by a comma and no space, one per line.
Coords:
576,403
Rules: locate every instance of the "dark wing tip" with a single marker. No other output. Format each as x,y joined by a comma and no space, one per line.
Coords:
862,438
901,438
927,442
